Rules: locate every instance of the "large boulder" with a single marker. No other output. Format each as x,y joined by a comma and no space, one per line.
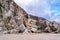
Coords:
52,27
21,28
33,30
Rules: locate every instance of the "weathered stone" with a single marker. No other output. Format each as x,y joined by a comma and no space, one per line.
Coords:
47,29
21,28
18,20
33,30
13,31
1,28
26,31
5,32
1,23
58,29
14,19
56,25
52,27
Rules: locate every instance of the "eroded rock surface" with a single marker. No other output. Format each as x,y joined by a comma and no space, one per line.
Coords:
13,19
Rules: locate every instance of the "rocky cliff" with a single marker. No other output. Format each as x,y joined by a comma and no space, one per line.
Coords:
14,19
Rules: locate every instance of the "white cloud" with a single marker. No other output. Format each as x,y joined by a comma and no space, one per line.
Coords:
39,8
57,20
25,2
54,1
35,7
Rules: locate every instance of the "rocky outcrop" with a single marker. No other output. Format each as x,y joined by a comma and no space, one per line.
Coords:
13,19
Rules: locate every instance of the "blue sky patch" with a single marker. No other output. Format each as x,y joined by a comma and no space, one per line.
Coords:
49,9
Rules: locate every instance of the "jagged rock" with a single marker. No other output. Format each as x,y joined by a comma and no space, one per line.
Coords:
47,29
33,30
1,23
21,28
52,27
26,31
13,31
18,20
1,29
5,32
15,19
58,29
56,25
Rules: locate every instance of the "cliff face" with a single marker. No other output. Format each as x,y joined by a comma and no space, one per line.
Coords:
13,19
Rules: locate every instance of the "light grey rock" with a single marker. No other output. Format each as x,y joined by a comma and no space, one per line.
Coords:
1,23
5,32
21,28
26,31
1,28
47,29
13,31
34,30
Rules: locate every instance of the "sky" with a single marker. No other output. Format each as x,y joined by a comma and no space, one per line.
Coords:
49,9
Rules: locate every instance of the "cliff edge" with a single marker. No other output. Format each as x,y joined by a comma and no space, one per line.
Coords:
14,19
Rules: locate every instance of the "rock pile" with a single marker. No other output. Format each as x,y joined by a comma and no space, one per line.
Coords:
13,19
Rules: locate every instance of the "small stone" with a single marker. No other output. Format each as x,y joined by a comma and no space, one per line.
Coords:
1,23
6,32
26,31
34,30
1,29
47,29
39,31
13,31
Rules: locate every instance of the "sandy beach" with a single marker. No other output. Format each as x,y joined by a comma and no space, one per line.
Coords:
42,36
